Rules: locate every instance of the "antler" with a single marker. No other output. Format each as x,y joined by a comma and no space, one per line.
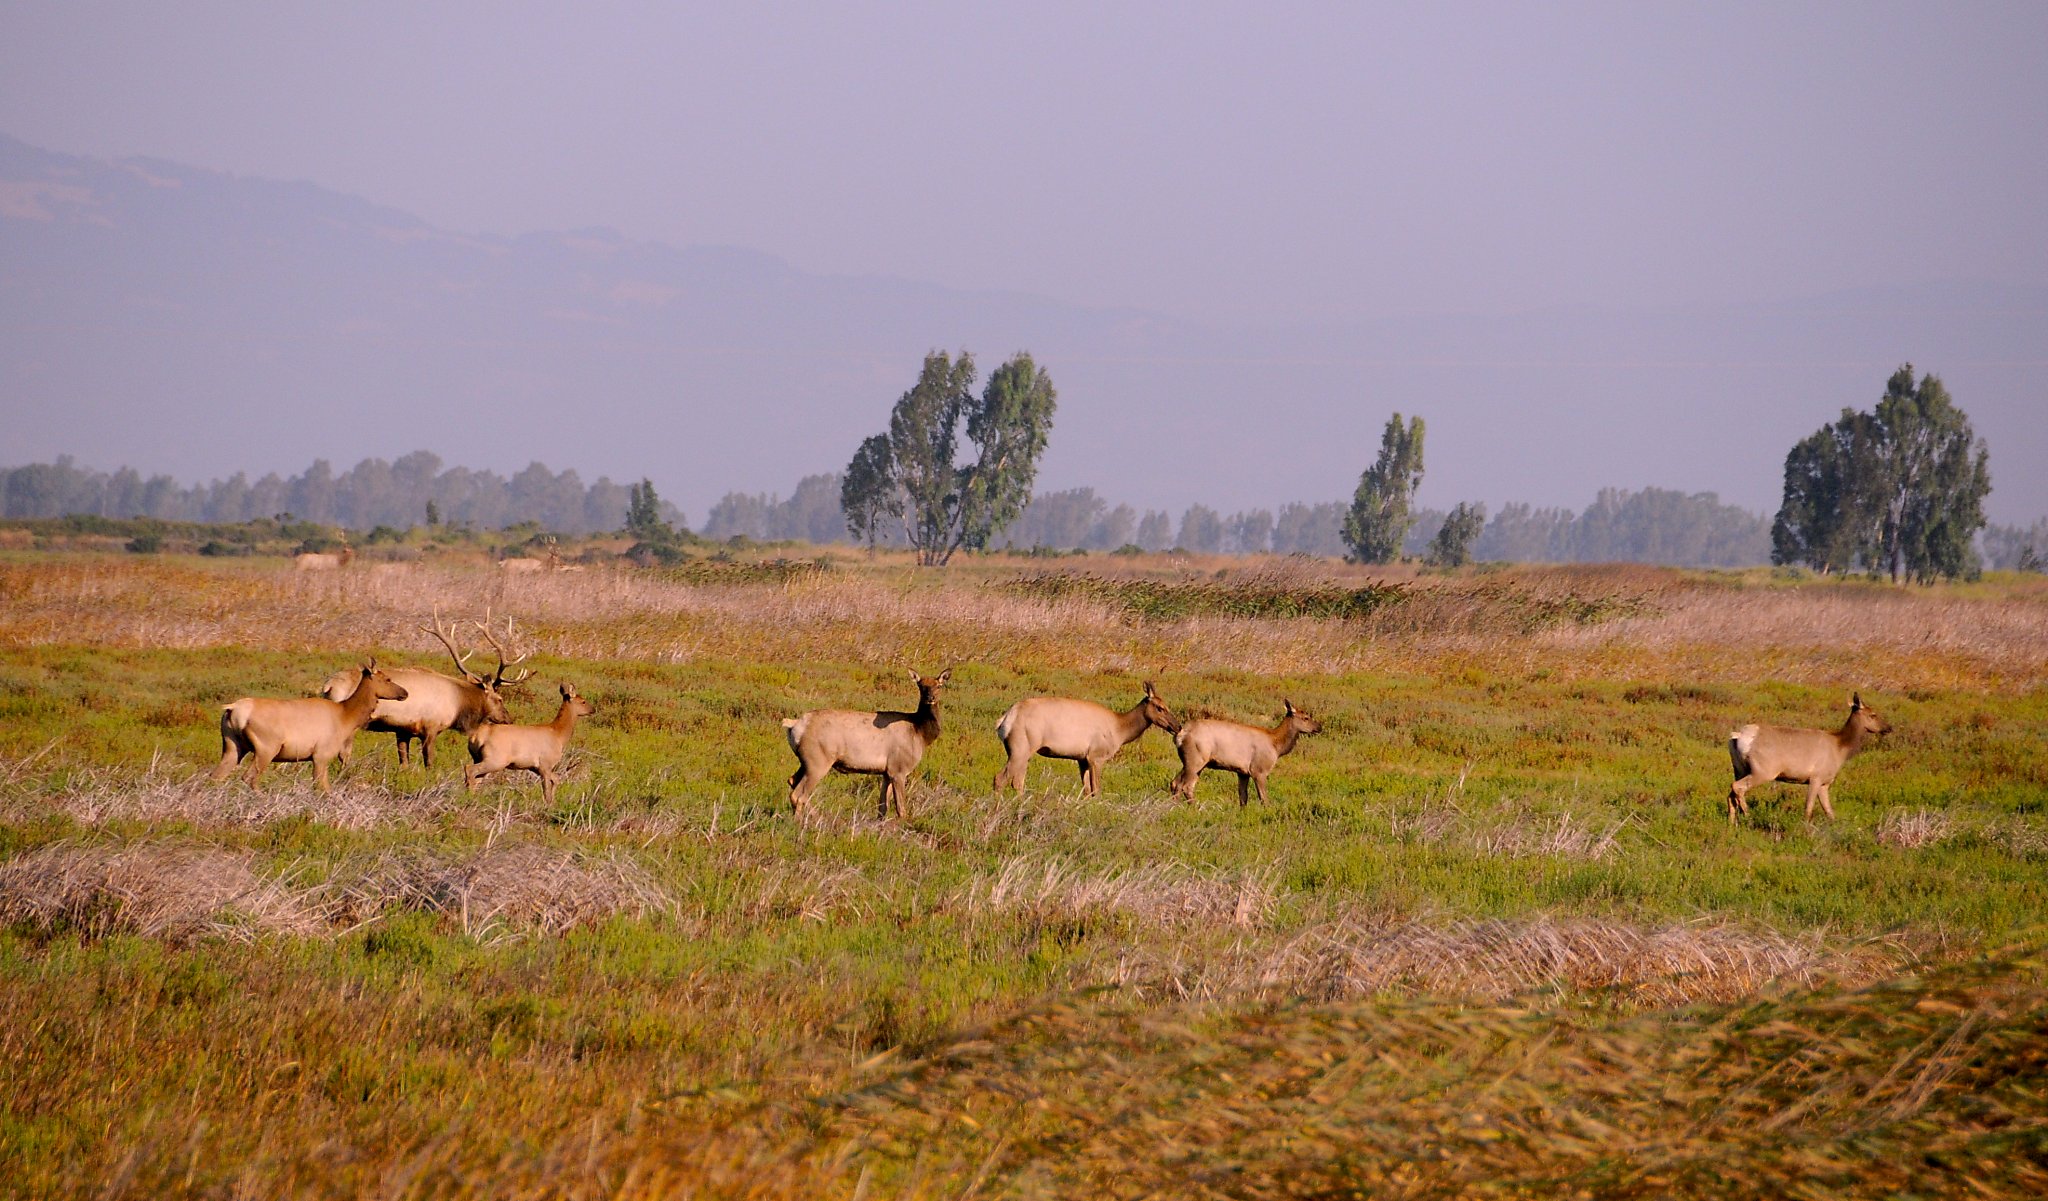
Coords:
447,638
498,679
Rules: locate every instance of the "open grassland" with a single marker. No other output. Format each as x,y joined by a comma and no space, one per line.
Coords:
1493,935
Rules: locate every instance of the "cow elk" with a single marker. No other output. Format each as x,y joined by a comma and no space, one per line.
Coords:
273,730
435,702
886,744
1793,755
1248,751
1058,727
496,748
329,561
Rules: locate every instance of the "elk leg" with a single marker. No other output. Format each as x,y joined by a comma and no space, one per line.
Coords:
1813,791
1184,784
230,758
547,785
261,759
1092,777
888,787
1244,784
402,739
320,776
1827,803
1260,781
1738,794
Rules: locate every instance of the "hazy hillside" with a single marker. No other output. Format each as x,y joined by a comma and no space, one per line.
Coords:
196,323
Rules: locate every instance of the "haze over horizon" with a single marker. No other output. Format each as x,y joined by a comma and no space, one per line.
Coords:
1593,246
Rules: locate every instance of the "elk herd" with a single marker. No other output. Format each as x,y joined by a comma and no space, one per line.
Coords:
415,704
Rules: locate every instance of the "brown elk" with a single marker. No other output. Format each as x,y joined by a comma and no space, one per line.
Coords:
272,730
1058,727
521,566
1249,751
883,744
496,748
435,702
1764,754
330,561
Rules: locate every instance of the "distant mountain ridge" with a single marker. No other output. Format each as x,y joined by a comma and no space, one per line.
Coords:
200,323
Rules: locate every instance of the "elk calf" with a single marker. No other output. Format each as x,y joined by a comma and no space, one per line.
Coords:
1089,734
496,748
1763,754
1248,751
273,730
886,744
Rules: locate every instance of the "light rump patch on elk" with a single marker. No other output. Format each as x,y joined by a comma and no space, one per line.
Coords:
1060,727
435,702
885,744
277,730
1248,751
1794,755
538,749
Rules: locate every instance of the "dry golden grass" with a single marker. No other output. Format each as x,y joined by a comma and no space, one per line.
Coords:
1708,628
168,890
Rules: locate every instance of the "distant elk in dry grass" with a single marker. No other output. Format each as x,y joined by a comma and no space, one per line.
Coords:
538,749
885,744
1058,727
434,702
326,561
1794,755
1248,751
273,730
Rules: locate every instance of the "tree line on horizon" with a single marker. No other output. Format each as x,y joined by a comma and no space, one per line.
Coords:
1896,491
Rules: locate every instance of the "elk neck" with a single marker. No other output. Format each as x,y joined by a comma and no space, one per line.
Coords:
1284,736
1132,723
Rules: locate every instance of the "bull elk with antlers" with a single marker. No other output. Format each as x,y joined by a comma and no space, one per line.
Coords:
435,703
274,730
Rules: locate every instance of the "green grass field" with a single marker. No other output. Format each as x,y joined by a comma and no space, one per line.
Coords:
1493,935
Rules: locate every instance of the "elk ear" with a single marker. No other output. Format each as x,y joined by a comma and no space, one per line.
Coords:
568,690
945,675
1151,691
1855,701
1290,706
914,677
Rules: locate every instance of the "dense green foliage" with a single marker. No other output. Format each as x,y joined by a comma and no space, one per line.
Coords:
1899,490
912,474
1381,510
1451,545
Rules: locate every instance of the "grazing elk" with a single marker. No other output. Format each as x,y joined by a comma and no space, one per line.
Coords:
1089,734
1246,750
435,702
295,730
886,744
1763,754
330,561
496,748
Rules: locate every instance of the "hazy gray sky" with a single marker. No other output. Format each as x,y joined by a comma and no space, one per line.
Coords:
1240,162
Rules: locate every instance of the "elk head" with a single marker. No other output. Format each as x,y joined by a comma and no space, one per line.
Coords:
1156,711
